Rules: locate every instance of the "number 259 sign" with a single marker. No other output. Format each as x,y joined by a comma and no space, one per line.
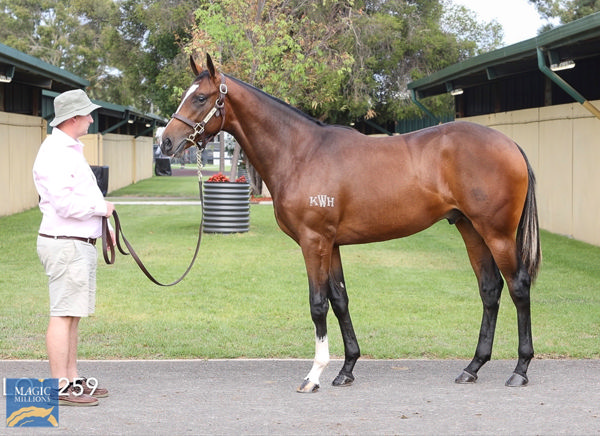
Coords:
32,402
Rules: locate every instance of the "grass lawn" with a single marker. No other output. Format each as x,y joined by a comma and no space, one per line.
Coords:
247,295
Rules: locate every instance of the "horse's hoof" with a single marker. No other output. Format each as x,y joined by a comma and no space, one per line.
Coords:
308,387
465,378
517,380
343,380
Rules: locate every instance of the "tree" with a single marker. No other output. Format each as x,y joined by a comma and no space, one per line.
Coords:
474,37
286,48
339,61
154,67
129,50
74,35
565,10
397,41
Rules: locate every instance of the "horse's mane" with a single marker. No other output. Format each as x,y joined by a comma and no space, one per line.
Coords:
275,99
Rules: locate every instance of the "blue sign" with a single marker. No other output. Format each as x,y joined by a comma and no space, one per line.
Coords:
31,402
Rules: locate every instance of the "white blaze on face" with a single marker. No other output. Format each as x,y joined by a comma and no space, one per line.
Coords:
187,95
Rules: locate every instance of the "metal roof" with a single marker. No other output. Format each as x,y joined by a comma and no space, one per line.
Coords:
32,71
575,41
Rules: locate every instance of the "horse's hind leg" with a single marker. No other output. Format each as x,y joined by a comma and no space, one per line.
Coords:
490,288
519,284
339,303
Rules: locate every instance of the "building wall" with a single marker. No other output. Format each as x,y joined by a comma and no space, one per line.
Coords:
562,144
129,159
20,138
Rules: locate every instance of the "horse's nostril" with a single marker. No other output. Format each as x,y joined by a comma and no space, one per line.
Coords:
165,145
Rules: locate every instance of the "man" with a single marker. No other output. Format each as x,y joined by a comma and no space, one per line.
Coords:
72,206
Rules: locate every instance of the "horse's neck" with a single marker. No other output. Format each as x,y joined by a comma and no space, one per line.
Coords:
266,131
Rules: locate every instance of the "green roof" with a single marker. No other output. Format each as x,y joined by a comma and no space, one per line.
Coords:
33,71
579,39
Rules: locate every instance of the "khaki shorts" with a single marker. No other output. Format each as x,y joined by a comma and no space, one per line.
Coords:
71,269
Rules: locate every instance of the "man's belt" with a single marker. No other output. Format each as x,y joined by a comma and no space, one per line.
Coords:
76,238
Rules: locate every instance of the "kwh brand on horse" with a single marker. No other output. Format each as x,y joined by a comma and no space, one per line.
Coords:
327,191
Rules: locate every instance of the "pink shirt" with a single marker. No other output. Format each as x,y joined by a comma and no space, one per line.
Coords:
70,200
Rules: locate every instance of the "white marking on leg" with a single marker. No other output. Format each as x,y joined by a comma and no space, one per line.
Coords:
321,359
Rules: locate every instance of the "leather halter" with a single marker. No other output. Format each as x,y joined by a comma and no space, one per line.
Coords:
217,110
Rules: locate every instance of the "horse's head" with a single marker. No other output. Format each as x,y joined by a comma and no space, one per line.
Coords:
200,114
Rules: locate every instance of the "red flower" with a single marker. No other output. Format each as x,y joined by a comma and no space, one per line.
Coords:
224,179
218,178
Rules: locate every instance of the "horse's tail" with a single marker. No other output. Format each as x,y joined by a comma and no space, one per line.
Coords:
528,232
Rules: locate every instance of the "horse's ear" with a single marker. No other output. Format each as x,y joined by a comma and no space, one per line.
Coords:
210,66
195,68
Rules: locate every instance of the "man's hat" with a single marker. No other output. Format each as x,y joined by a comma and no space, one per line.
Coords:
71,104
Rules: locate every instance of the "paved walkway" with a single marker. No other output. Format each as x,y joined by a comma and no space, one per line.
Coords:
232,397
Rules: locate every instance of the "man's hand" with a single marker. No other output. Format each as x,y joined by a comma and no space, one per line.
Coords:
110,208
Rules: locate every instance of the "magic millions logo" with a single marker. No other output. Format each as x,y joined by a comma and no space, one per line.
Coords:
31,402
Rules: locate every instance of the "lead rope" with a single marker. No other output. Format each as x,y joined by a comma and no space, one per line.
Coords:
108,246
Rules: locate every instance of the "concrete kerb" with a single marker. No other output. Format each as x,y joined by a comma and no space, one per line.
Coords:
242,396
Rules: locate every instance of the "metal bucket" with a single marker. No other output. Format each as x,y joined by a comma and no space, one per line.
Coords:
226,207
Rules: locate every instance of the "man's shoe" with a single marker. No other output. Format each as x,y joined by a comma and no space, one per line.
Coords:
76,400
98,393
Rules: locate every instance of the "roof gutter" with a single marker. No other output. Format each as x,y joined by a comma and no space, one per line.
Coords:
413,98
564,85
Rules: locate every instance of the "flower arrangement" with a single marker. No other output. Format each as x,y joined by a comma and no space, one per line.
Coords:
221,178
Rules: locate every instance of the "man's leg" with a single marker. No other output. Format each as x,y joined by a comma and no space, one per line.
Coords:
61,343
58,345
72,358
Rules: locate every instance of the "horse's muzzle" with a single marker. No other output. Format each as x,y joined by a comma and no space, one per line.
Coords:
166,146
169,150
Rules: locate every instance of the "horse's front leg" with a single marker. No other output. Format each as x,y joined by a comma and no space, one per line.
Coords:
338,297
318,260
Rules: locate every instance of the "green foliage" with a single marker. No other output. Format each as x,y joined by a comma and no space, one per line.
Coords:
565,10
282,48
337,60
75,35
473,38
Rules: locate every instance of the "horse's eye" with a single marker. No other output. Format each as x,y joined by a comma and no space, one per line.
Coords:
200,99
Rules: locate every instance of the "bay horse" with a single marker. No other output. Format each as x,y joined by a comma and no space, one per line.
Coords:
333,186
